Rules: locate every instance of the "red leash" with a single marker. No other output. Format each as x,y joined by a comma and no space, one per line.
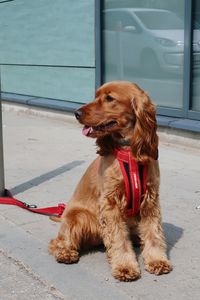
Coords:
55,211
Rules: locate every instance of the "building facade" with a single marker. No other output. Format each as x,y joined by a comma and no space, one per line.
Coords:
55,53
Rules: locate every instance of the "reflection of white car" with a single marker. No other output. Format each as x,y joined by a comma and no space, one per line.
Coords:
151,39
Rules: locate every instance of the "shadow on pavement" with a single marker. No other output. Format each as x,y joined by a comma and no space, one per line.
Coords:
173,234
45,177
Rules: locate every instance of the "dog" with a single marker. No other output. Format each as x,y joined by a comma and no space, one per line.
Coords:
122,116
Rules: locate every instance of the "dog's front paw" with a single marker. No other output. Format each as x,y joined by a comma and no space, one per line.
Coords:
66,256
126,273
62,253
159,267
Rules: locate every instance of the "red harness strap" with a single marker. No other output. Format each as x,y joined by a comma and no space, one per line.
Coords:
135,183
135,175
48,211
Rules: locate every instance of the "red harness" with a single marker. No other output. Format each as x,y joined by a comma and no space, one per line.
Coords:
135,183
135,175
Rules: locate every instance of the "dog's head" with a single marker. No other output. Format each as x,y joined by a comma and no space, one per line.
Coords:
121,112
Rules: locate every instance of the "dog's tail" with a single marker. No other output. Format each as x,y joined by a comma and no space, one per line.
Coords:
55,219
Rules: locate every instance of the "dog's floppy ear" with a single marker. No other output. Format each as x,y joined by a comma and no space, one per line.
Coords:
144,142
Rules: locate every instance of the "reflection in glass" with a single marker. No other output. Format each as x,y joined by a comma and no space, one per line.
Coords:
153,19
146,45
196,57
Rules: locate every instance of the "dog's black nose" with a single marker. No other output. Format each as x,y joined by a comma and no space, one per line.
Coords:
78,113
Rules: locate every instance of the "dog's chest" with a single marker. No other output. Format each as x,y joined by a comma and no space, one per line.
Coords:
124,178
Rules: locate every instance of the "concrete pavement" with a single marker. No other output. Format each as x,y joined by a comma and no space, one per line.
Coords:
44,158
19,282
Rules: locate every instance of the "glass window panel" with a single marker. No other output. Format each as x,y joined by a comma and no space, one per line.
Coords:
143,41
196,57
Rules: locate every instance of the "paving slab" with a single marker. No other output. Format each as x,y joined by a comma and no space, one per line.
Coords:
18,282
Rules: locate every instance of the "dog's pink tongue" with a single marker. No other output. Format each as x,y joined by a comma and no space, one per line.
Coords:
86,130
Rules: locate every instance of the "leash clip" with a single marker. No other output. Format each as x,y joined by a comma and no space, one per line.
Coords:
30,205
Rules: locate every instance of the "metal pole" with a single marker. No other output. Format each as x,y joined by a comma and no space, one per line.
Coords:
2,186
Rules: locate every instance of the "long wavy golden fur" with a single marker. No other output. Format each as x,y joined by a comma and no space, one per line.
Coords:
122,115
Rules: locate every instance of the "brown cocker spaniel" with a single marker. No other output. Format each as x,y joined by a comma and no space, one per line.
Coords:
121,117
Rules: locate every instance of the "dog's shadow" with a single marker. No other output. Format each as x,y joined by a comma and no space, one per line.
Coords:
172,235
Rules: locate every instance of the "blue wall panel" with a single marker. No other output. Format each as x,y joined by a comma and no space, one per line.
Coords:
72,84
52,46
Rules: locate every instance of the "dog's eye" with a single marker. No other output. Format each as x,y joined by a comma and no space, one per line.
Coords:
109,98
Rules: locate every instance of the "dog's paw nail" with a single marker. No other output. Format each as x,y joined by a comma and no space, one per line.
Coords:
159,267
126,273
